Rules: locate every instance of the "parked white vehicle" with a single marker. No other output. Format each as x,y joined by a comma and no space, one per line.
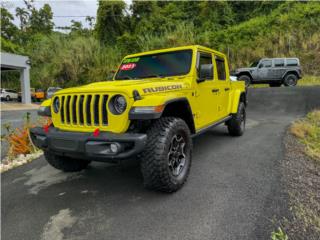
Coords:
8,94
233,78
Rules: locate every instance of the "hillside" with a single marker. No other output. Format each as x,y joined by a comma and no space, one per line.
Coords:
244,31
293,29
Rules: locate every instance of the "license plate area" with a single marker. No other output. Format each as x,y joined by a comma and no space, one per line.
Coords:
64,144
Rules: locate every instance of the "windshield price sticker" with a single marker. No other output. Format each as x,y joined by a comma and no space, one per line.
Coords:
128,66
131,60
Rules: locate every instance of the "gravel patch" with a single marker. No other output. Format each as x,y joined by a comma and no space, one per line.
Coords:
301,178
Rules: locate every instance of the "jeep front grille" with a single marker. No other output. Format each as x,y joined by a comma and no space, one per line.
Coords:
84,109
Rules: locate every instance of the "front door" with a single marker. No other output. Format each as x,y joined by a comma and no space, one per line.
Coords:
206,95
264,70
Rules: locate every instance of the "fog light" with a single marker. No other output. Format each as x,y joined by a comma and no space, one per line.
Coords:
114,147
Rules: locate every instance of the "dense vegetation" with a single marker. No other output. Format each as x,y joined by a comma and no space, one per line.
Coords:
244,31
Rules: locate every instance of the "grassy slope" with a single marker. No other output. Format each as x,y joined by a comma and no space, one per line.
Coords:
290,30
309,81
307,131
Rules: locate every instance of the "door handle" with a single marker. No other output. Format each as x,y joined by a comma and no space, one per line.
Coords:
215,90
227,89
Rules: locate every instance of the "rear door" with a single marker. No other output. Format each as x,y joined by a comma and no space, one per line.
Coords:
223,84
278,68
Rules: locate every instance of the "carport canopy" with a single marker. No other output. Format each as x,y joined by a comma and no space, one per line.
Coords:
19,63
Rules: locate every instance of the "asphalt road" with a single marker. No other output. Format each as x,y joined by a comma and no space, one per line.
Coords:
233,191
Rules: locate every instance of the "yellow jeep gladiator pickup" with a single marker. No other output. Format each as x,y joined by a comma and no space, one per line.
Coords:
156,103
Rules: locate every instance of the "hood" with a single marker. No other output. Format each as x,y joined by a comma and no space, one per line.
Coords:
143,86
247,69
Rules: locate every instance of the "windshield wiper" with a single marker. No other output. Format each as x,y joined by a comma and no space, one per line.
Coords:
126,77
153,76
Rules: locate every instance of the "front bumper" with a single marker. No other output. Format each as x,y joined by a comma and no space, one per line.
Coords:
87,146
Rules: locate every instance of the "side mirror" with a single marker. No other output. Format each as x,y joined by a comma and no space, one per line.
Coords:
205,72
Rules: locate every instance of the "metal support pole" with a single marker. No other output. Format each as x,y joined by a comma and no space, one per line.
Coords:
25,85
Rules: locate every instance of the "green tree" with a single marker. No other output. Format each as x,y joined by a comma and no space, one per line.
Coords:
23,16
215,15
40,21
244,10
141,9
9,31
111,21
90,21
76,26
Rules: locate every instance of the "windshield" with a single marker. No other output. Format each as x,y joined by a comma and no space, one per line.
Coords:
156,65
254,64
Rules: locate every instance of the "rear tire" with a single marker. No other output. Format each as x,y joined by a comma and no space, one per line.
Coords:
65,164
290,80
166,160
246,79
236,125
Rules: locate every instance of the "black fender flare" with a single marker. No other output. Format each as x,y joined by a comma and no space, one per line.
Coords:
245,73
291,71
186,115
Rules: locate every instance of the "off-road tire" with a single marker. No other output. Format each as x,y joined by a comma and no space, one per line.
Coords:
275,84
236,125
246,79
290,80
65,164
155,169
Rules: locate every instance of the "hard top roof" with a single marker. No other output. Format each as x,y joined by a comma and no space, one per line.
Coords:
193,47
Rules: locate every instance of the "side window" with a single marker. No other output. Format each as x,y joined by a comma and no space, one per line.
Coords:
279,62
292,62
221,68
266,63
205,59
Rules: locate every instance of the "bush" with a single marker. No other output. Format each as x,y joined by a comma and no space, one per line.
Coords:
19,141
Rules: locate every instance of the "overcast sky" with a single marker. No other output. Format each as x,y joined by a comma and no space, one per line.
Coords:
63,10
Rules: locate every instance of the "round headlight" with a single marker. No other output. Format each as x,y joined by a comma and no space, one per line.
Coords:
56,105
118,104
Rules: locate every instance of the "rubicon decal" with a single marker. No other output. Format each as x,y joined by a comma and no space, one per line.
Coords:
162,88
128,66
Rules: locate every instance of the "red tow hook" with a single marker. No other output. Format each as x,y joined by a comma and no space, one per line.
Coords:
46,127
96,132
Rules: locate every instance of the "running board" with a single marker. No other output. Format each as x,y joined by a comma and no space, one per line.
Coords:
202,130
